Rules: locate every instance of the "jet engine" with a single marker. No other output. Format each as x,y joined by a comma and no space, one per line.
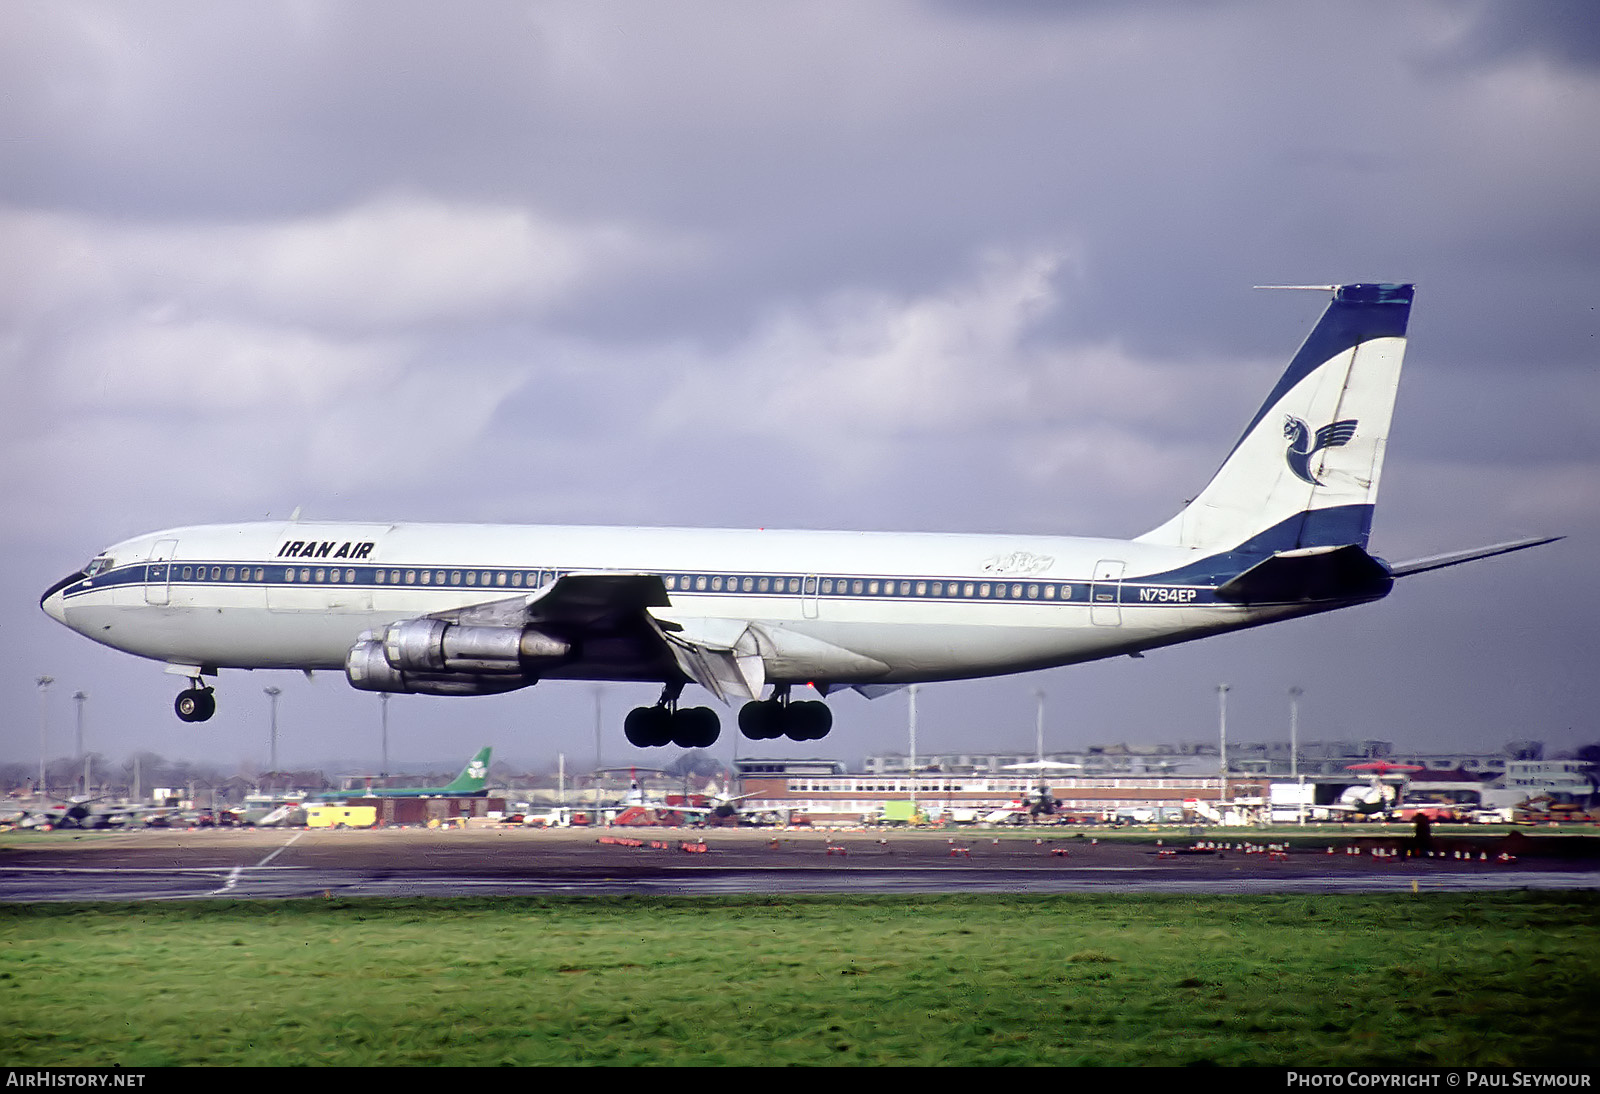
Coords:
434,657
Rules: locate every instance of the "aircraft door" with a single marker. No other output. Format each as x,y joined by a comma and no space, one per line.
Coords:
1105,593
158,572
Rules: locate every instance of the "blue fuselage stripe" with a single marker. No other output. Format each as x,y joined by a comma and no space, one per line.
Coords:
262,575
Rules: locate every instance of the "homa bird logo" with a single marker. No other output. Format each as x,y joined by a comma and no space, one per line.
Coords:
1302,447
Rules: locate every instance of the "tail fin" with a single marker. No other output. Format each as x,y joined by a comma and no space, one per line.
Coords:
1305,471
472,777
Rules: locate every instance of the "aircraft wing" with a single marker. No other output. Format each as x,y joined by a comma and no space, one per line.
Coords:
731,658
721,656
577,599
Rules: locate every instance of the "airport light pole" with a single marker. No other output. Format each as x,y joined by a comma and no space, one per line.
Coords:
912,720
80,697
1294,752
1222,749
1038,729
272,693
44,683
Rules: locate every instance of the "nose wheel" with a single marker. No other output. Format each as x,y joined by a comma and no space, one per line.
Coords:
196,704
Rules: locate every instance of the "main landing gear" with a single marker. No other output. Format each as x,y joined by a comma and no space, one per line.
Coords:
808,720
197,704
666,723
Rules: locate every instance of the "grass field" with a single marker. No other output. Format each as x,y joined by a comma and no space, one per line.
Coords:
1437,979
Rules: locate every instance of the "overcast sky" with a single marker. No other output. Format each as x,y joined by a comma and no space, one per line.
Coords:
958,265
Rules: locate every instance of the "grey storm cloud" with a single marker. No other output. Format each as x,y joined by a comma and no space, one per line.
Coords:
904,265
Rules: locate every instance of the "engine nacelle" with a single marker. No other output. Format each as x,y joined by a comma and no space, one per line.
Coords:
433,645
367,668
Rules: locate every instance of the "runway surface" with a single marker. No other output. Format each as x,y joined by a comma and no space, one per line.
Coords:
269,864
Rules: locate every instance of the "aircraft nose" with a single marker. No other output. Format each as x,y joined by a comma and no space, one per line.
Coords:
53,603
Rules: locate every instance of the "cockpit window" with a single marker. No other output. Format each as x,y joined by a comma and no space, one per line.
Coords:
99,565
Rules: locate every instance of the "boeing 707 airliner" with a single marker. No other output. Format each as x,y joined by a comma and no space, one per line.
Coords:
449,609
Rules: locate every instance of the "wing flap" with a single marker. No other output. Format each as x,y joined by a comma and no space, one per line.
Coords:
721,655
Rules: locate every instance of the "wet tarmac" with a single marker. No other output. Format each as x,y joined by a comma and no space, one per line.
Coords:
277,864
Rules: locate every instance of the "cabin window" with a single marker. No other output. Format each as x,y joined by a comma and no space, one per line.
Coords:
378,577
764,585
333,575
349,575
827,585
872,587
186,573
794,585
967,589
516,579
438,577
749,584
500,578
228,575
305,575
427,576
1033,592
856,586
411,577
321,575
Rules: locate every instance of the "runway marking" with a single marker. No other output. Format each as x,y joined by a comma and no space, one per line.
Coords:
233,875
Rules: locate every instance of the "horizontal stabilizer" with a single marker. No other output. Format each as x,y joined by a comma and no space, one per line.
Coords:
1310,574
1455,558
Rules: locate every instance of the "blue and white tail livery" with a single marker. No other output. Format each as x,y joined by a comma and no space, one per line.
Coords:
1280,531
1305,472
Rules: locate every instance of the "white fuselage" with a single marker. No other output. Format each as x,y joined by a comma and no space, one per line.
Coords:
914,607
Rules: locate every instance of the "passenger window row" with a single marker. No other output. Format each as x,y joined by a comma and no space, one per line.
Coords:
697,583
